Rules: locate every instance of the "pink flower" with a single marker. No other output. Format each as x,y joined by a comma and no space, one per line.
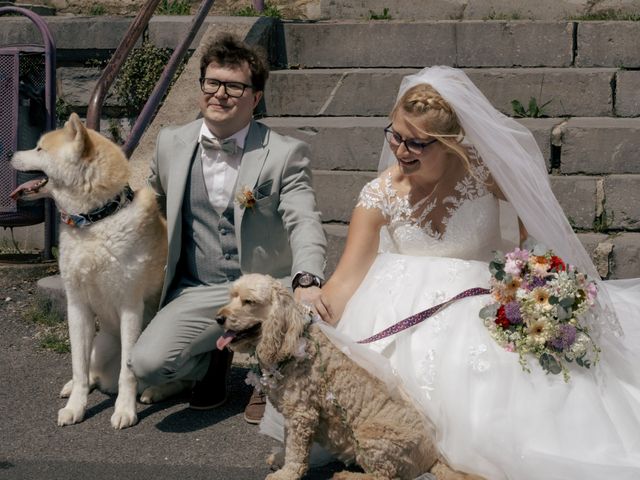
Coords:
510,347
513,267
518,255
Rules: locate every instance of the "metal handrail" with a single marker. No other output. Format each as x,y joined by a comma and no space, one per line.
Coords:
114,66
112,69
162,86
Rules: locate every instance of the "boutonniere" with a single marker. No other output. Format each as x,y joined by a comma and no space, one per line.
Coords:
245,198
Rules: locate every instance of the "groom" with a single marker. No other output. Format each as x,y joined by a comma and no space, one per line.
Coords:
238,199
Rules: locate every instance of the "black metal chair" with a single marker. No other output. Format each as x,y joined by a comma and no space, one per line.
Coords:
27,83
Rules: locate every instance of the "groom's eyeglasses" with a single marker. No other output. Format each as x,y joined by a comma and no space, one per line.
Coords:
412,145
233,89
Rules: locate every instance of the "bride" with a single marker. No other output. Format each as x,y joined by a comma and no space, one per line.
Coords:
421,233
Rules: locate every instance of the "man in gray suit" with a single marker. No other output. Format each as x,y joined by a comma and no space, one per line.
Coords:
238,199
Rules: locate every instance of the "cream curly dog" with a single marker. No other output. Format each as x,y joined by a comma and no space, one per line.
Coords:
322,394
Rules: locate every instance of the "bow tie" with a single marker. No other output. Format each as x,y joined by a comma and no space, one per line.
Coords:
228,146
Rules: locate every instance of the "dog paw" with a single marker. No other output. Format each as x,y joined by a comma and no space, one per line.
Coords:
288,472
68,416
281,475
66,390
122,419
276,459
157,393
151,395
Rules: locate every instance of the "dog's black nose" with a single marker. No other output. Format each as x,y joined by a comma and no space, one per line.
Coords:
220,319
9,156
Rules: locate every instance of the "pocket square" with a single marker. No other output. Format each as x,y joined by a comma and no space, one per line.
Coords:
264,190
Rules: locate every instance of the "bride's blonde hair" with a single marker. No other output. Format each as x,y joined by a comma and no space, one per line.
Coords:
425,102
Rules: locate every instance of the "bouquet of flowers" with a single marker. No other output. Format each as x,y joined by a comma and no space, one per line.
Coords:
540,306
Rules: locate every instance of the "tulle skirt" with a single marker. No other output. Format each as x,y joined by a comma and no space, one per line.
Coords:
491,417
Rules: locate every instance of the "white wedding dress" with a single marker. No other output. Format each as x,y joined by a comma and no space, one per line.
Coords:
491,417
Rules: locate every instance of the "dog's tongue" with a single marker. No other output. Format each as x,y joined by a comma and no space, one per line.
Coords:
226,338
27,187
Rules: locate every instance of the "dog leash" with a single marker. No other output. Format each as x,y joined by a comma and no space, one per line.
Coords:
422,316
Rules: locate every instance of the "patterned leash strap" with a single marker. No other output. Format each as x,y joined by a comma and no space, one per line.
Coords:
422,316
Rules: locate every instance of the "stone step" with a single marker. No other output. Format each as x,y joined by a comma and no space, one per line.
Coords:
354,143
600,145
372,91
357,43
503,43
417,44
615,256
582,198
75,36
469,10
592,146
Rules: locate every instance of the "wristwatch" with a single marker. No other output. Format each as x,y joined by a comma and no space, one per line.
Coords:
305,280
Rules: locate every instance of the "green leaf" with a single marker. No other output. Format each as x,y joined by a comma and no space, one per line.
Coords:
518,109
550,364
539,250
567,302
562,313
489,311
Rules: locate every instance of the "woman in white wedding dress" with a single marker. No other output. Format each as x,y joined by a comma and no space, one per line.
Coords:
423,232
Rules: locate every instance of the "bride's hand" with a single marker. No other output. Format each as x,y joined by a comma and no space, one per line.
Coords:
313,297
323,308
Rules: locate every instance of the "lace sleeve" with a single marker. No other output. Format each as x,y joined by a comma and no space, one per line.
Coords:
373,196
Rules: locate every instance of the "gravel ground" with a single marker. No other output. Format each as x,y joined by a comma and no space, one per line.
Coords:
169,442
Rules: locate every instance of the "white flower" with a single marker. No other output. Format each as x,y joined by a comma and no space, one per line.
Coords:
330,397
253,379
271,377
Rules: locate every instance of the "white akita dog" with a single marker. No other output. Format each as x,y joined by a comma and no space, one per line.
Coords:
113,249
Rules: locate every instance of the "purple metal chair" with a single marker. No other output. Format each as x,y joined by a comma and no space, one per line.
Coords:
27,83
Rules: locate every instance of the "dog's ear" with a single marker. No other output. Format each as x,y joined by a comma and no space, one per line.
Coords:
78,132
282,329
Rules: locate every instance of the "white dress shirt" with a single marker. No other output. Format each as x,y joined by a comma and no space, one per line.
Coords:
220,169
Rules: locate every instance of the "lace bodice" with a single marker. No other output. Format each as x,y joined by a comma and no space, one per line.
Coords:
462,223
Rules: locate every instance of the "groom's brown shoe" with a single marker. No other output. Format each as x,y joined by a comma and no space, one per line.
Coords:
211,391
254,411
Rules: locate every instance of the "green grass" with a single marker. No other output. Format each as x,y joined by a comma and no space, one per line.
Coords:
55,342
503,16
533,110
269,11
97,10
52,327
174,7
610,15
380,16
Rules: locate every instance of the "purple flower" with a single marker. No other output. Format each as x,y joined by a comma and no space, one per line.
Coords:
512,311
535,282
566,337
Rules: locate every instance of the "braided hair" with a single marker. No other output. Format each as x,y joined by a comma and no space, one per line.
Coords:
437,118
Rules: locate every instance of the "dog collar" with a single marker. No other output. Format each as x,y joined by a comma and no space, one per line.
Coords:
112,206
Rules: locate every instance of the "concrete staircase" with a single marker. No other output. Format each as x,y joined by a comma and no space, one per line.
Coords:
343,77
339,79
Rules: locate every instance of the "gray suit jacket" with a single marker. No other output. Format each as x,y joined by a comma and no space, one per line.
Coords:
282,233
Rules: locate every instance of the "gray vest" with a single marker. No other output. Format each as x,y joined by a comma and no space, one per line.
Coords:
209,248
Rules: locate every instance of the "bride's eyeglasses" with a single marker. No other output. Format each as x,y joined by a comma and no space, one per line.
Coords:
412,145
